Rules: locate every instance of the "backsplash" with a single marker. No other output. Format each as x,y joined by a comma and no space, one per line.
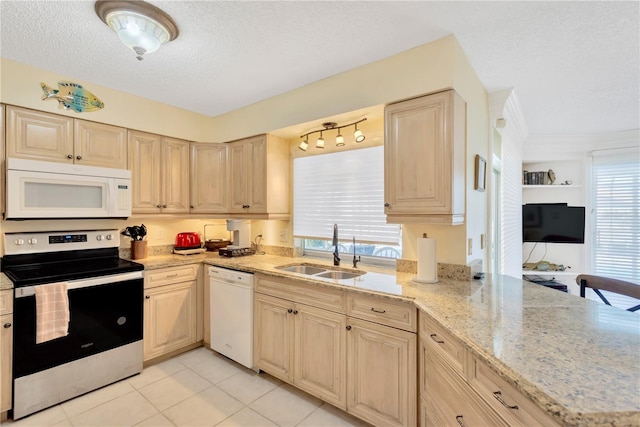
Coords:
445,271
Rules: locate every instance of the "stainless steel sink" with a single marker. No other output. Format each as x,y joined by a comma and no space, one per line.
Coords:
302,269
340,275
321,271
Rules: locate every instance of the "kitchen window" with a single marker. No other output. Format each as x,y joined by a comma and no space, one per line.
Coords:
615,218
344,188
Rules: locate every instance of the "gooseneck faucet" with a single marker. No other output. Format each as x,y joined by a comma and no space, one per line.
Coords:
356,260
336,255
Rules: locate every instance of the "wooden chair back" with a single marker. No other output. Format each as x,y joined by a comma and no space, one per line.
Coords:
618,286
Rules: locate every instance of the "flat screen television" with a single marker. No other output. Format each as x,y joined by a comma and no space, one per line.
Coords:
552,223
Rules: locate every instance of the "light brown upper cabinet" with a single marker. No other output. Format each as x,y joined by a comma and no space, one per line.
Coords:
2,162
49,137
209,178
259,173
159,173
424,148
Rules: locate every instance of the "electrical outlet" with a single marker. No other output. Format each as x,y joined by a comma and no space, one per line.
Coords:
470,246
284,236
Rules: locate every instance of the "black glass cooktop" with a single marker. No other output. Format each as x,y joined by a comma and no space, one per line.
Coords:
29,270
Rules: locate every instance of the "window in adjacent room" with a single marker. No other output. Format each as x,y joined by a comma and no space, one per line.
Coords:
344,188
616,215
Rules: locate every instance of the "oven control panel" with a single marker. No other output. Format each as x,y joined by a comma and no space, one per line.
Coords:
55,241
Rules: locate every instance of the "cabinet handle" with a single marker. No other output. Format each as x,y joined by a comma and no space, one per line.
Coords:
290,311
168,276
7,325
69,156
79,157
348,327
295,311
460,420
498,396
378,311
147,297
433,337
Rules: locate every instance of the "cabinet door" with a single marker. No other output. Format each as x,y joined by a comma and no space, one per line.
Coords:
273,334
144,162
209,190
424,157
175,176
320,354
6,361
2,160
169,318
256,158
381,370
97,144
240,177
39,136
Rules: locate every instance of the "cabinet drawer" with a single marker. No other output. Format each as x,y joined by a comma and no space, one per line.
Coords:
170,275
6,301
450,400
508,402
386,312
297,291
437,340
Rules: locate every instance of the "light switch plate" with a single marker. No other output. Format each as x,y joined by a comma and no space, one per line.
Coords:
470,246
284,236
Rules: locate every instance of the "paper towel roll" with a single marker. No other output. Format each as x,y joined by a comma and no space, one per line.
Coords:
427,262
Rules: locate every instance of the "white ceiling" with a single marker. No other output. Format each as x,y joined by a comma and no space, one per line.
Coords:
575,65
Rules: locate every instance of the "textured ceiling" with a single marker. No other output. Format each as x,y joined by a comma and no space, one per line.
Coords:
574,65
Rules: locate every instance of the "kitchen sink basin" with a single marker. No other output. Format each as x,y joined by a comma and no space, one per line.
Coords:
321,271
303,269
339,275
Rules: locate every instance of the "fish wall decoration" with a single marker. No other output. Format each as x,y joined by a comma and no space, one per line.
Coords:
72,96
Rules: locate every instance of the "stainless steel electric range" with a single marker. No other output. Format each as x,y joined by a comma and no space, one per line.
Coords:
105,294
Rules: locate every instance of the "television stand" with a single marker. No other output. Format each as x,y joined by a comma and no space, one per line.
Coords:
549,283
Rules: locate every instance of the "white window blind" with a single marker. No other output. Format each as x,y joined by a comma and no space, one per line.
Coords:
344,188
616,214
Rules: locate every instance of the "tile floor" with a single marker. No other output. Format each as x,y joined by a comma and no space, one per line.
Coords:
197,388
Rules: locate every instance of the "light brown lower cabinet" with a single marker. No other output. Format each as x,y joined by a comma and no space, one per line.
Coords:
381,378
303,346
170,310
458,389
361,366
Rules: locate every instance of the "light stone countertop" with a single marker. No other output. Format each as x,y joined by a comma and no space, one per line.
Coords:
578,360
5,283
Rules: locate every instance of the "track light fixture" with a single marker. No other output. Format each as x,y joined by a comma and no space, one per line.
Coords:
357,135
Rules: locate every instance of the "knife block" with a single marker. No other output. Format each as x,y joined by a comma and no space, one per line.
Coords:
138,249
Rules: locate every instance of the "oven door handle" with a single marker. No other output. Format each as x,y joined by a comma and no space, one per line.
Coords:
28,291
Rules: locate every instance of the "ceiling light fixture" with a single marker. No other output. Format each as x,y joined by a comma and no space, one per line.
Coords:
141,26
358,135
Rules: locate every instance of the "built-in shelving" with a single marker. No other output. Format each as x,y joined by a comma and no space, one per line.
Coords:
552,186
549,273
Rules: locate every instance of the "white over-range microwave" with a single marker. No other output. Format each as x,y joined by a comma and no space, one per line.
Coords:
43,190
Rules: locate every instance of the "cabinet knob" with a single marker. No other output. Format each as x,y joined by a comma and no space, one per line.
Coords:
290,311
348,327
78,157
158,206
7,325
147,297
191,206
387,205
164,206
295,311
69,156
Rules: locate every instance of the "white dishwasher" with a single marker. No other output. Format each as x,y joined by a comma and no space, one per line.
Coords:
231,314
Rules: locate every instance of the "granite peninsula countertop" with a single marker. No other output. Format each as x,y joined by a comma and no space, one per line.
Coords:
579,360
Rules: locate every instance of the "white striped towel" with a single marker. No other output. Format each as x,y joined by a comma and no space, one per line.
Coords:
52,311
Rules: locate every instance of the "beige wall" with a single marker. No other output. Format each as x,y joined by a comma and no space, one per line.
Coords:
20,85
